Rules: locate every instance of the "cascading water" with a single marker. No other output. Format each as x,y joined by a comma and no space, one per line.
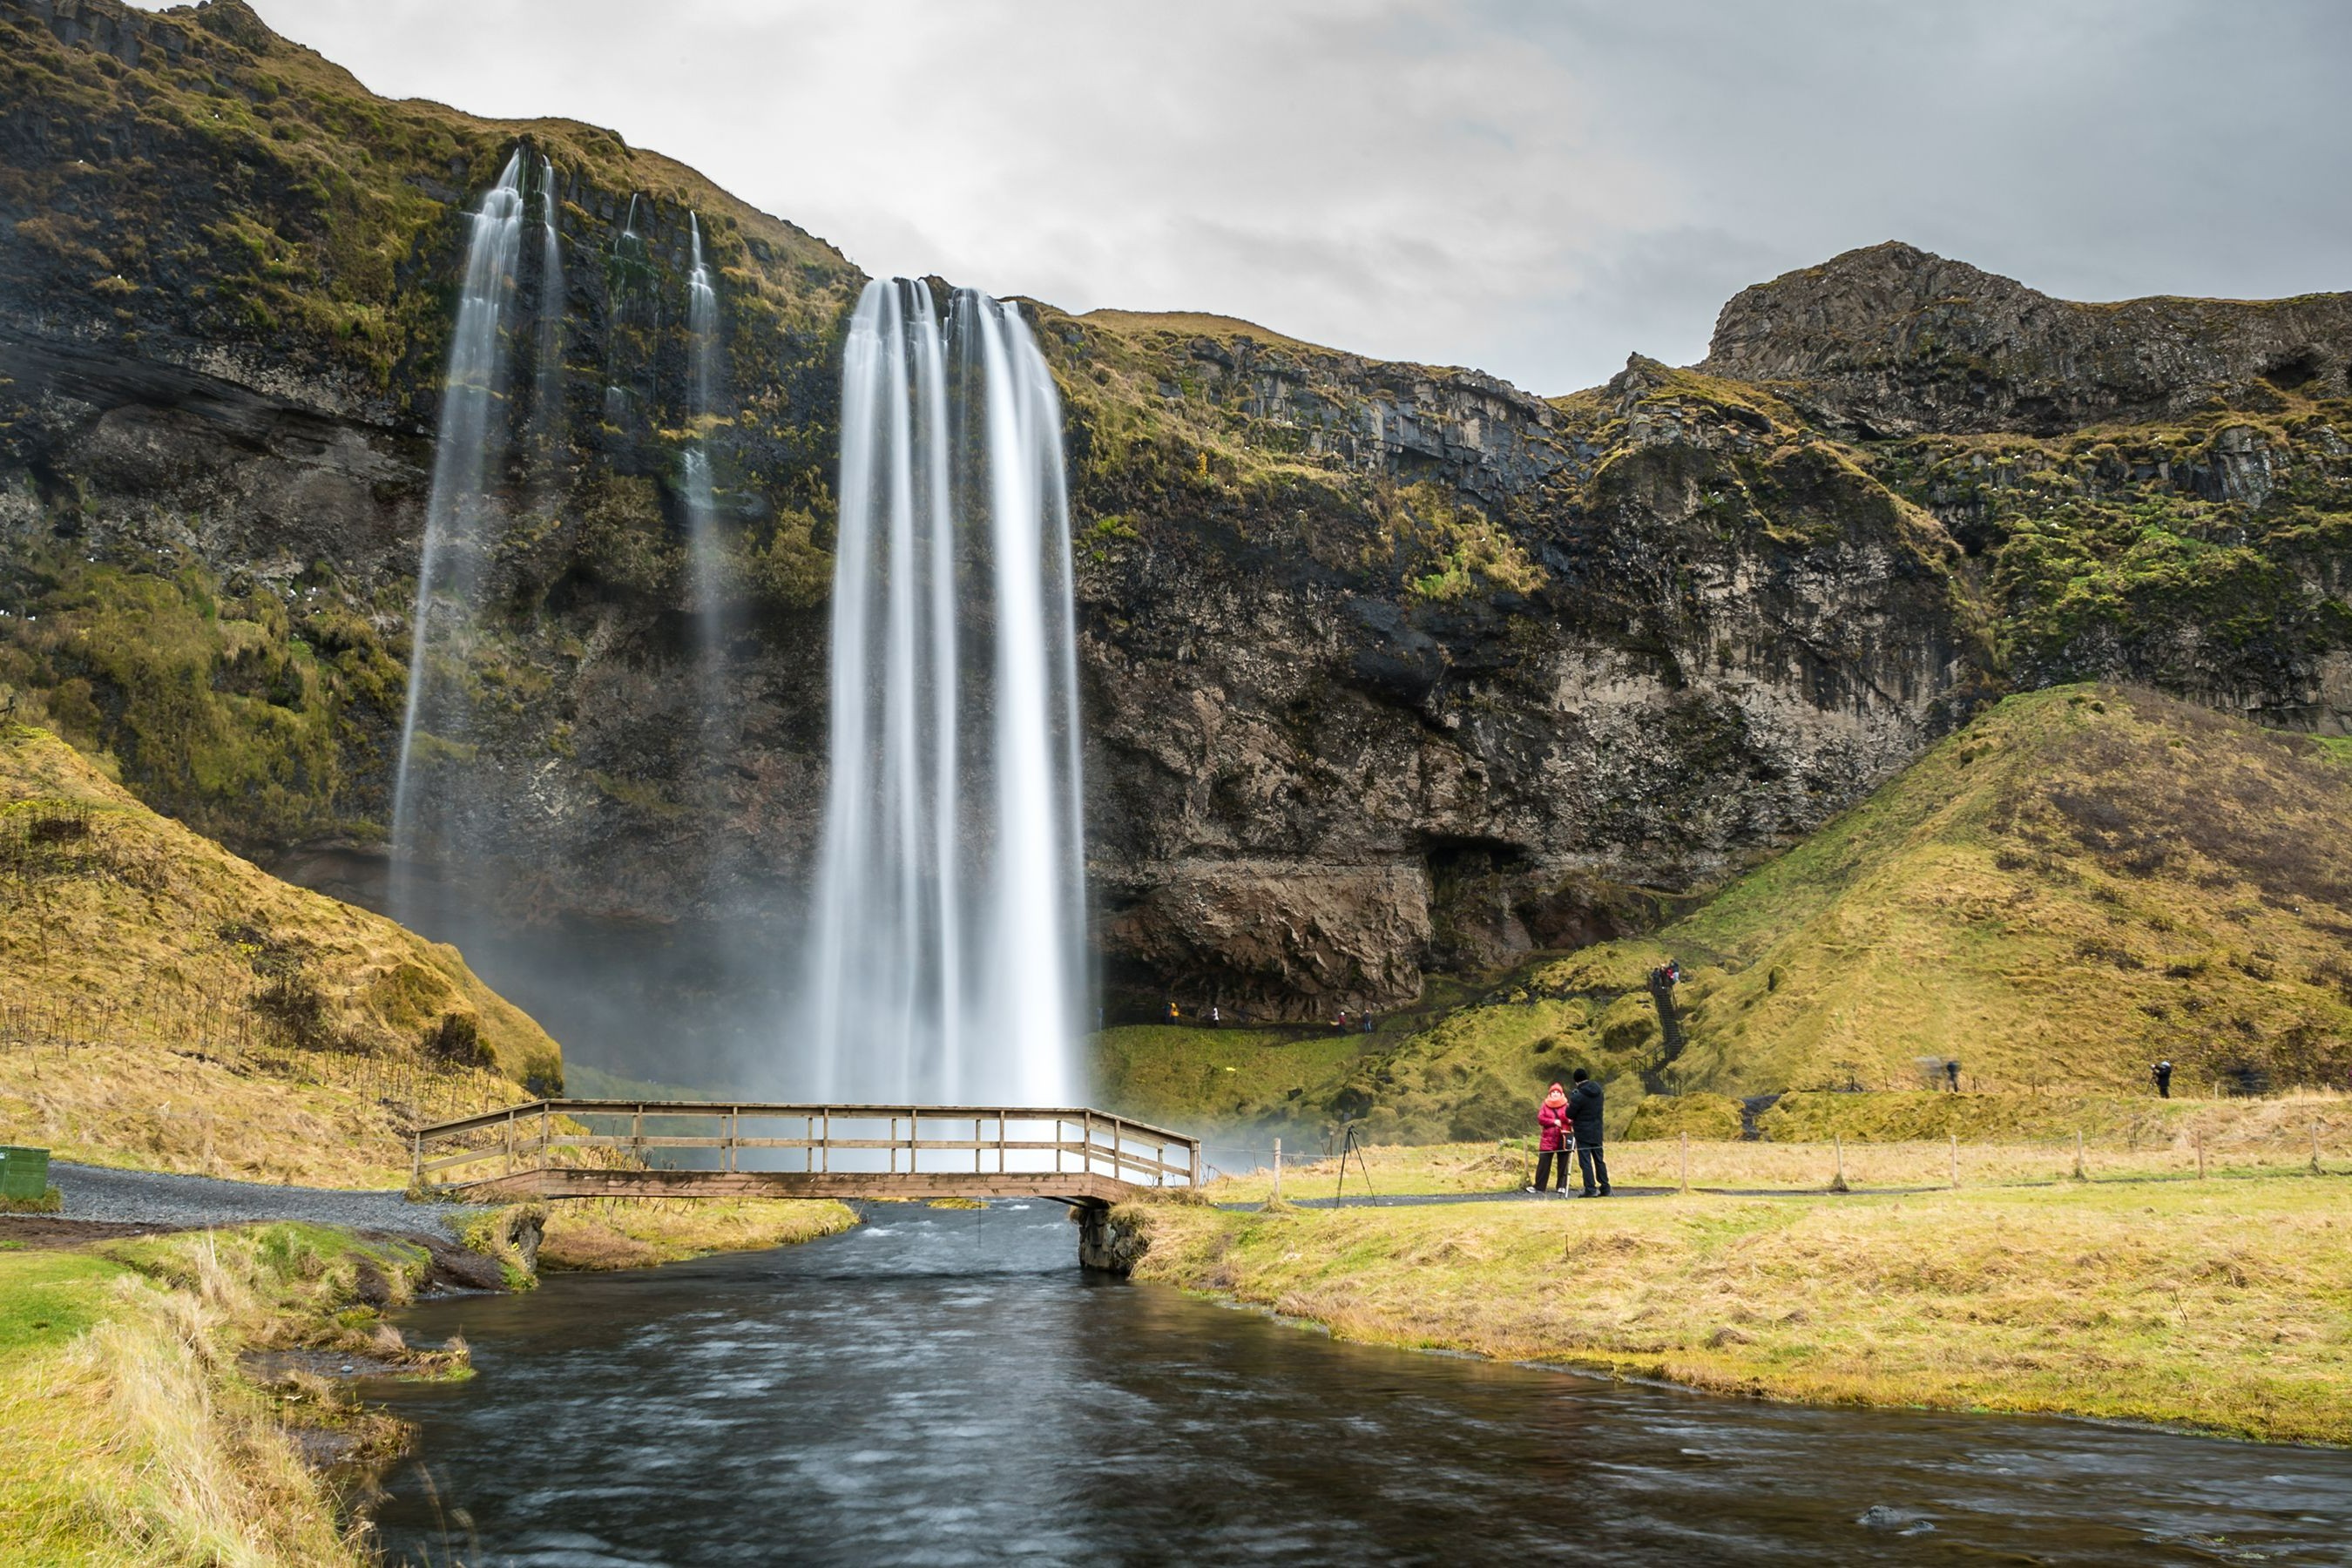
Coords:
547,404
702,381
472,433
947,962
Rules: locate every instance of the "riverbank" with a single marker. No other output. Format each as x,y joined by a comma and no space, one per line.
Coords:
184,1398
2223,1306
162,1399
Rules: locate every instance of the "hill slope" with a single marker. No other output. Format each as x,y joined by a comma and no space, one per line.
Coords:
2081,880
164,1002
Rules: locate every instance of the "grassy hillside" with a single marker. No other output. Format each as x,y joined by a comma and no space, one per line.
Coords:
165,1002
2080,881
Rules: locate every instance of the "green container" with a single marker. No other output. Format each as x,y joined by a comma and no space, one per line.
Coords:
23,1175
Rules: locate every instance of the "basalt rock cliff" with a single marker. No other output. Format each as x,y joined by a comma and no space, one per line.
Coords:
1386,667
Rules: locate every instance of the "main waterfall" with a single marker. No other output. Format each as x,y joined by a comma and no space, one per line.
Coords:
948,961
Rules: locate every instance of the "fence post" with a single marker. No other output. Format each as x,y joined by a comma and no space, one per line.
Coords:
1277,1167
2201,1153
1196,1163
1956,1161
1837,1140
1685,1161
2082,1171
415,1157
2314,1145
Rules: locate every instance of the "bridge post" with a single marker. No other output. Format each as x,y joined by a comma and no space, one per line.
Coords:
1105,1243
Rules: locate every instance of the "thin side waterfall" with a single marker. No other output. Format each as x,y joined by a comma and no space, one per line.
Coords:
948,961
472,433
702,382
547,404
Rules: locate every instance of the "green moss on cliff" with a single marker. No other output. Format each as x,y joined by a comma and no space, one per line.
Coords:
242,712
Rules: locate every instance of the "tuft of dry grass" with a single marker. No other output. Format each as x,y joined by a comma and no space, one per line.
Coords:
593,1233
2223,1305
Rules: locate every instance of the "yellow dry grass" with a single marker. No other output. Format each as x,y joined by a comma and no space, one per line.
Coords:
639,1233
2219,1305
165,1002
136,1437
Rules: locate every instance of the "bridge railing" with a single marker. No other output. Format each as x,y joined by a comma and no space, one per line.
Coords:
723,1135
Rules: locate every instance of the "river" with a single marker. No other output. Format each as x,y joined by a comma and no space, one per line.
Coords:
946,1386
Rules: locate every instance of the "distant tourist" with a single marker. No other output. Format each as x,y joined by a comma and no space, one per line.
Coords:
1172,1013
1368,1022
1551,1129
1584,1118
1216,1018
2162,1073
1952,1076
1339,1024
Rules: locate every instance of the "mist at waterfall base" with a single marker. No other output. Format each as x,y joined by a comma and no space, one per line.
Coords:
947,964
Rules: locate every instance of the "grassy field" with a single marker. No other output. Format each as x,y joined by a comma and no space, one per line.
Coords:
2238,1140
2222,1305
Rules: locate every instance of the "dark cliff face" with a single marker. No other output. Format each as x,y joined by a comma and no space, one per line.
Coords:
1385,668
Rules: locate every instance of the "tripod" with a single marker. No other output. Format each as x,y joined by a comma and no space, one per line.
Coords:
1348,1144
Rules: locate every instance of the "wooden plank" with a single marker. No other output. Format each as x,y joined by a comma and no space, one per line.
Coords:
563,1182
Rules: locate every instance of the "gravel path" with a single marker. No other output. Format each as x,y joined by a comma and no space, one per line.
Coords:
150,1197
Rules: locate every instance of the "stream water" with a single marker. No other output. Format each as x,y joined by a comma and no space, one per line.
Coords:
945,1387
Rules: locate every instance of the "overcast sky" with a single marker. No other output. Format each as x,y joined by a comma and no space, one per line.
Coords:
1537,187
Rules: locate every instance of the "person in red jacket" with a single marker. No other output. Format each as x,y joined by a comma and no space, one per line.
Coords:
1551,1119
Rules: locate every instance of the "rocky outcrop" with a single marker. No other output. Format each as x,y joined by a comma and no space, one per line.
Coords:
1893,340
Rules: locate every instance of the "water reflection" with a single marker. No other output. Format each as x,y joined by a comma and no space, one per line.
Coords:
945,1387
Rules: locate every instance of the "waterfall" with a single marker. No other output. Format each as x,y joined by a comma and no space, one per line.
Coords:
547,405
948,955
702,379
473,430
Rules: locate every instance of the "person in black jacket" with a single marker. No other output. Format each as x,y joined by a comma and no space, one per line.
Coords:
1584,1118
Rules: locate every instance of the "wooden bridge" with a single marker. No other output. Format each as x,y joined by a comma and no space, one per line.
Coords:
695,1149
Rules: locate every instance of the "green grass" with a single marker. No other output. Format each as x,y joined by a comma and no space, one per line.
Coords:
1183,1075
2223,1306
47,1298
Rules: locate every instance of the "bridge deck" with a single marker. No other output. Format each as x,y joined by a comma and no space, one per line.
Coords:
580,1149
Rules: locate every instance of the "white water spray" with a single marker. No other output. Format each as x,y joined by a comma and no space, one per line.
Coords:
472,432
947,962
702,382
547,405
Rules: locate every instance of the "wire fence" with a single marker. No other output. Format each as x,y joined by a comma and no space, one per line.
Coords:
229,1026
